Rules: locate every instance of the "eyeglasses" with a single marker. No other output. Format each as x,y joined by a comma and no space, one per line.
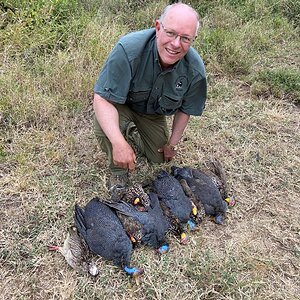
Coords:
172,34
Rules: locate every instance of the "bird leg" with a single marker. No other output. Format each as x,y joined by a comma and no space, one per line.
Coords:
53,248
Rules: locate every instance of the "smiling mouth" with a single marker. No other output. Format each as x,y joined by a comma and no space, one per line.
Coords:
172,52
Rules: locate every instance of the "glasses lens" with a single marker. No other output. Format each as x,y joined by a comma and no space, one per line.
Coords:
186,39
172,34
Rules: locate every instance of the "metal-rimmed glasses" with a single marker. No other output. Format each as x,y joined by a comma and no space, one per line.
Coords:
172,34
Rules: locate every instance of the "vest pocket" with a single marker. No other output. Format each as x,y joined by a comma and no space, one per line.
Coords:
138,100
167,105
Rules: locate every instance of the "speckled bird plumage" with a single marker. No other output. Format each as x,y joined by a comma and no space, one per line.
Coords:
214,169
176,205
147,227
130,194
103,232
204,189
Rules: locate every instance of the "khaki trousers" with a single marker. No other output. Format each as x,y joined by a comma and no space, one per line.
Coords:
153,131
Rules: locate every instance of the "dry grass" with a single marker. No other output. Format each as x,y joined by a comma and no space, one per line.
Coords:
254,256
50,160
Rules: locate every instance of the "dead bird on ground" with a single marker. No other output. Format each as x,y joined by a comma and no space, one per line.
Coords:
205,188
104,234
76,253
215,170
177,207
134,195
147,226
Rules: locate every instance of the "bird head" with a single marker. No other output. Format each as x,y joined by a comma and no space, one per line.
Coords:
230,201
136,195
163,249
219,219
184,238
182,173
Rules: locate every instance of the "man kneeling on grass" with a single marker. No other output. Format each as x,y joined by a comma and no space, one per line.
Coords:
149,74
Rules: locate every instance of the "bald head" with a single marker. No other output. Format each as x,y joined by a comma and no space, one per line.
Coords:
181,11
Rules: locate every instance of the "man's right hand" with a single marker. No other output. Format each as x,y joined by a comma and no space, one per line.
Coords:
124,156
108,119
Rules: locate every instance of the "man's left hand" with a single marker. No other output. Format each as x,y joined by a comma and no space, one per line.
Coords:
169,152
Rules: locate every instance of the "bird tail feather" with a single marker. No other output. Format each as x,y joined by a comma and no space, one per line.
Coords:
123,208
79,219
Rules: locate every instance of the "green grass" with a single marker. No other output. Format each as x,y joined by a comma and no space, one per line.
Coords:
51,54
282,83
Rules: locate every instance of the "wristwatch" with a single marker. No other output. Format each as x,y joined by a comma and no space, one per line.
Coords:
172,147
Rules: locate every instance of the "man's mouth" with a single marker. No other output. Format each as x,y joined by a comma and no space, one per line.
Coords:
172,52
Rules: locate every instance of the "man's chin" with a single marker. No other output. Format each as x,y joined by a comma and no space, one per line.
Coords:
170,62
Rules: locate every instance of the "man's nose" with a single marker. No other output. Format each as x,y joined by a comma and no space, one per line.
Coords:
177,41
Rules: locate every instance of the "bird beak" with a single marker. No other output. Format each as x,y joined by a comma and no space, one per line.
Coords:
194,211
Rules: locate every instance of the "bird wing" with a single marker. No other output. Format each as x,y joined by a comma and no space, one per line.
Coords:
103,232
150,230
171,193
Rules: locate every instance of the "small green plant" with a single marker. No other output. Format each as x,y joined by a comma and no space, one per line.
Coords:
281,83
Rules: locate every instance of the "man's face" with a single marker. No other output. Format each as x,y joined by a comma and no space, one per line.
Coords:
174,36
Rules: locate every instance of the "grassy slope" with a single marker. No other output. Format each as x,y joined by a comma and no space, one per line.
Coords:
50,160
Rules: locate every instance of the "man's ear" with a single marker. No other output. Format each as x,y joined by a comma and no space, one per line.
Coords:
157,26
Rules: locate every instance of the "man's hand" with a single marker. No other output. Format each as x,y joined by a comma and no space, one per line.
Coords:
108,118
169,152
180,121
124,156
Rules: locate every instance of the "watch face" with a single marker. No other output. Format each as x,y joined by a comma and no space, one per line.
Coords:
172,147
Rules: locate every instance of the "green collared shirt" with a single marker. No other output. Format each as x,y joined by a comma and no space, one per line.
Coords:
133,76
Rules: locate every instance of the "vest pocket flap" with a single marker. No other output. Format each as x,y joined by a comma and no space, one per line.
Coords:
169,103
138,96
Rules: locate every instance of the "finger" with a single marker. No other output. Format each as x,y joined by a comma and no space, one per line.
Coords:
131,166
120,165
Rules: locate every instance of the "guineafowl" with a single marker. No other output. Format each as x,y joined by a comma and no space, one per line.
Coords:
204,190
176,206
104,234
148,226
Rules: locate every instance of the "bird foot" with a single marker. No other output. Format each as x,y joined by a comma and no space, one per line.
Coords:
53,248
